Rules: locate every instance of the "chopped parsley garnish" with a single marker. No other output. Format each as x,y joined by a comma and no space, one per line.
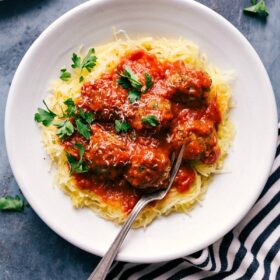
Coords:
149,82
65,128
11,203
151,120
134,95
44,116
258,8
83,129
87,63
128,79
77,166
71,107
122,126
65,75
83,121
88,117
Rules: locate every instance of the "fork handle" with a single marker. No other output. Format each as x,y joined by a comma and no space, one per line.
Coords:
104,265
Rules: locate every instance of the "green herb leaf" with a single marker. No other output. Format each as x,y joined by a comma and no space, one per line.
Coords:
83,128
88,117
90,60
258,8
11,203
87,63
124,82
65,75
44,116
81,79
65,128
71,107
77,166
149,82
129,76
122,126
151,120
76,61
134,95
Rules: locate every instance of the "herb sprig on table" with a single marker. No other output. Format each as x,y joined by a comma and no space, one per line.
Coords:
258,8
10,203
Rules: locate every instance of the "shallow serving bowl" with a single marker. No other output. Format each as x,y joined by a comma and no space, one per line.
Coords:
229,196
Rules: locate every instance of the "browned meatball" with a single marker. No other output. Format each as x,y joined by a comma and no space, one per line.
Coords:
149,169
149,105
183,84
189,84
199,135
107,152
104,96
106,147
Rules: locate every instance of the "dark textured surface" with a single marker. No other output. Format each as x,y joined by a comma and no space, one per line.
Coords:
28,248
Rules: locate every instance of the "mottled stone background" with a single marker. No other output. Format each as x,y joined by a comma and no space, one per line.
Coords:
28,248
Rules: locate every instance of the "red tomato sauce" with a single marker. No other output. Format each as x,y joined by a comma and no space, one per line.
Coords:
173,109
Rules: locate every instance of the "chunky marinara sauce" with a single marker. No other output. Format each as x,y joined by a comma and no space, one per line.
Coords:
124,165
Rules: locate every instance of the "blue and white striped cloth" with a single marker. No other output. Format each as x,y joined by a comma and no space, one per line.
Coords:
249,251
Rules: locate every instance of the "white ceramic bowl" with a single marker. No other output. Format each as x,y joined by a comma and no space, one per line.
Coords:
230,195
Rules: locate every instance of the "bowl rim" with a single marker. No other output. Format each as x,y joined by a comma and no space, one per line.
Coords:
45,218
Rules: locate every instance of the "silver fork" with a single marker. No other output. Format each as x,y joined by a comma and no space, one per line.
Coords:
104,265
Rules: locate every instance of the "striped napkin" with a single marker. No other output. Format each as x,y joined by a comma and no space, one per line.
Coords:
250,251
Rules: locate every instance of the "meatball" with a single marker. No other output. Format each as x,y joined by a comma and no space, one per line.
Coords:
183,84
189,84
149,105
198,133
107,153
149,169
104,96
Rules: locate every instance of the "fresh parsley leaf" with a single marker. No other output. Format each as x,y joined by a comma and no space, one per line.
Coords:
65,75
77,166
149,82
11,203
88,117
124,82
65,128
90,60
258,8
151,120
76,61
121,126
81,79
71,107
134,95
83,128
87,63
131,78
44,116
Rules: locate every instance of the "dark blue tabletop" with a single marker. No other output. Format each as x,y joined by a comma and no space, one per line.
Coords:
28,248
